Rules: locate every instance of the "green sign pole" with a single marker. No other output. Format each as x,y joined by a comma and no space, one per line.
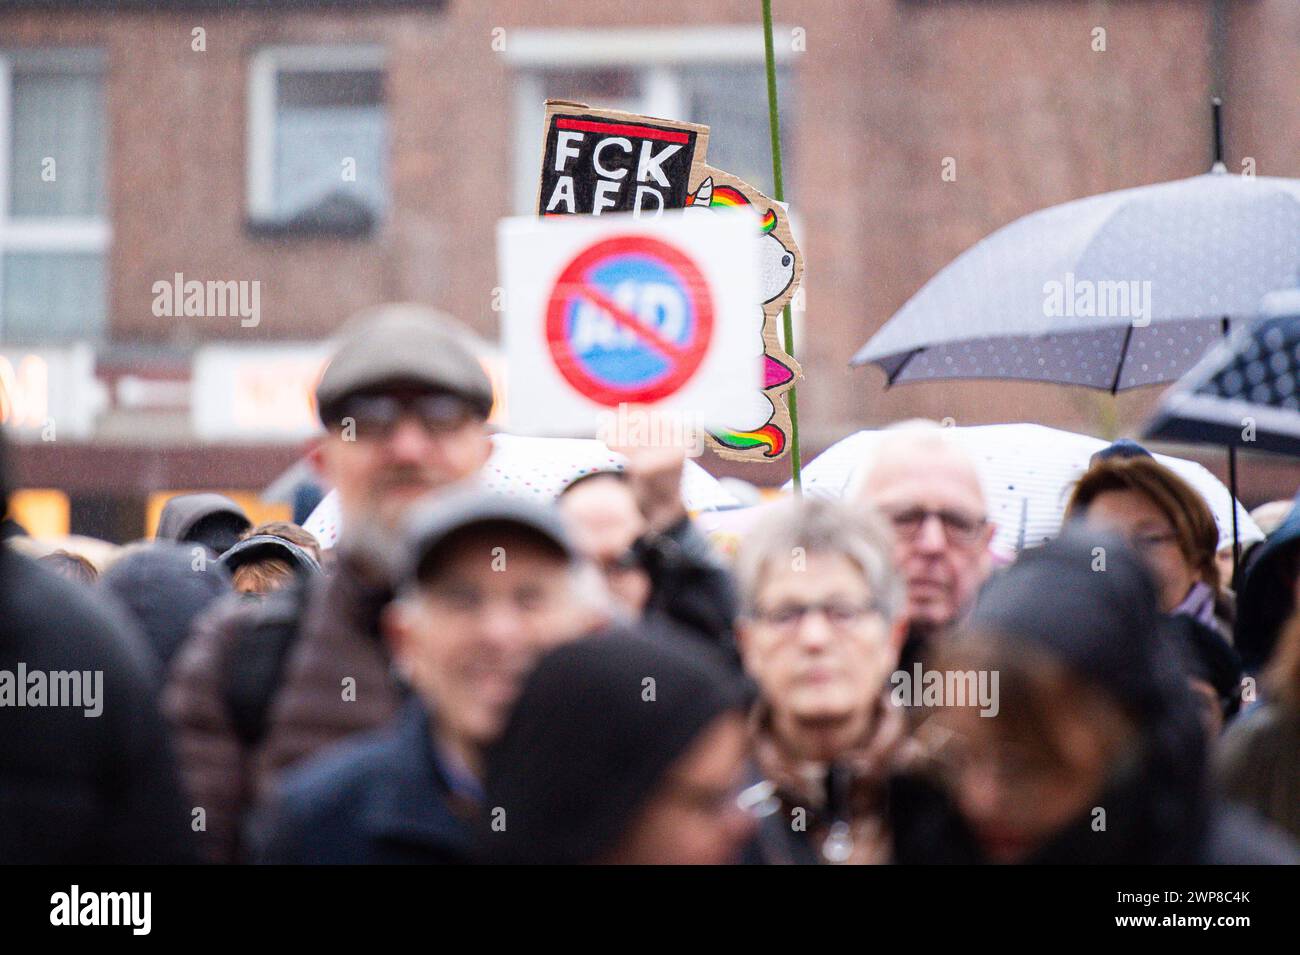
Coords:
774,125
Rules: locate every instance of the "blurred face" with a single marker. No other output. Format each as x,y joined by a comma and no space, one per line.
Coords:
470,636
818,645
693,819
1223,558
387,450
605,520
1016,793
1135,517
934,501
262,578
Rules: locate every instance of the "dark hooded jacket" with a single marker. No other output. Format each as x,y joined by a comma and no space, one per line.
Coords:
164,588
382,798
1103,628
584,750
1209,658
78,787
1266,596
331,680
691,590
209,519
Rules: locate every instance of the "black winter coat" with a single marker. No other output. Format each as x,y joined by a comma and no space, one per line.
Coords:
380,798
691,590
78,788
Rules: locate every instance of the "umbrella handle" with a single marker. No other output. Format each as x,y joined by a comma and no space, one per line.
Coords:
1232,448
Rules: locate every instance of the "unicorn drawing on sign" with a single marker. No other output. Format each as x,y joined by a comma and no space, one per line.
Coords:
753,426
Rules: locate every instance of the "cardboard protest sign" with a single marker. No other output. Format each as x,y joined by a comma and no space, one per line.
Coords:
596,161
602,313
758,427
592,163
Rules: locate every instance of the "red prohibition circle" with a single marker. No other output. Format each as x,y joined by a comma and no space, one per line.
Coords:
684,360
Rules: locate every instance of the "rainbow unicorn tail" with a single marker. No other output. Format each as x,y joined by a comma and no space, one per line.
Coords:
769,437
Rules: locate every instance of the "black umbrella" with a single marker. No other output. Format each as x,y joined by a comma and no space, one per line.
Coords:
1245,393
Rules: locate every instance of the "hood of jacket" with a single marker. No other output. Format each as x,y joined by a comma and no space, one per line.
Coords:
1103,627
164,590
182,514
1266,596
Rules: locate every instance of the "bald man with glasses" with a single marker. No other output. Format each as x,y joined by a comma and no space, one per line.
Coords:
928,489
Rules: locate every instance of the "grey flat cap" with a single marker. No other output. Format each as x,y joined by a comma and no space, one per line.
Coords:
404,343
442,515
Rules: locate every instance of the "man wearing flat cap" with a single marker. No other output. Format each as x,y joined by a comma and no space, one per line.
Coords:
257,688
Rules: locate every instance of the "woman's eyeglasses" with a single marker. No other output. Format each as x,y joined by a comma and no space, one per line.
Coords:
839,614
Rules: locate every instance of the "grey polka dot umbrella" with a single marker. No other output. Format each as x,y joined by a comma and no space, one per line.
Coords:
1114,291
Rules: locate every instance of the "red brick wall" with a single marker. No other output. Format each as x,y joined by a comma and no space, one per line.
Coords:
886,89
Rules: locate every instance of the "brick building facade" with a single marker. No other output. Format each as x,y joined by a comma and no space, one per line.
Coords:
205,151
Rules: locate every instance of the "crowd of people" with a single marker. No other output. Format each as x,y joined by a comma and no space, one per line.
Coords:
472,677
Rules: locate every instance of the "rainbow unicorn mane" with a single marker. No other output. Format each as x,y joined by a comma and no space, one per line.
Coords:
728,196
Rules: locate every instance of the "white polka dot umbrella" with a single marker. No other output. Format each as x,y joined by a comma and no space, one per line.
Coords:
1114,291
539,468
1027,471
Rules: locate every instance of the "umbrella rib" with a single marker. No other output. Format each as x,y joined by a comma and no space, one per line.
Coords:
899,370
1123,353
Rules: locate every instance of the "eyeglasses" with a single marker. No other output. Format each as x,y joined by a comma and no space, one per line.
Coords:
839,614
377,415
1147,543
958,527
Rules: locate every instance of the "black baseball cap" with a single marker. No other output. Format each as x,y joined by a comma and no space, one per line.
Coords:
448,513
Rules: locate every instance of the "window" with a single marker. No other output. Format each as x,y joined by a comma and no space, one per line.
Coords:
731,99
54,232
318,140
713,76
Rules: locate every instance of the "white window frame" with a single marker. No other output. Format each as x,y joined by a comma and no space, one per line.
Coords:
69,234
264,66
656,53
